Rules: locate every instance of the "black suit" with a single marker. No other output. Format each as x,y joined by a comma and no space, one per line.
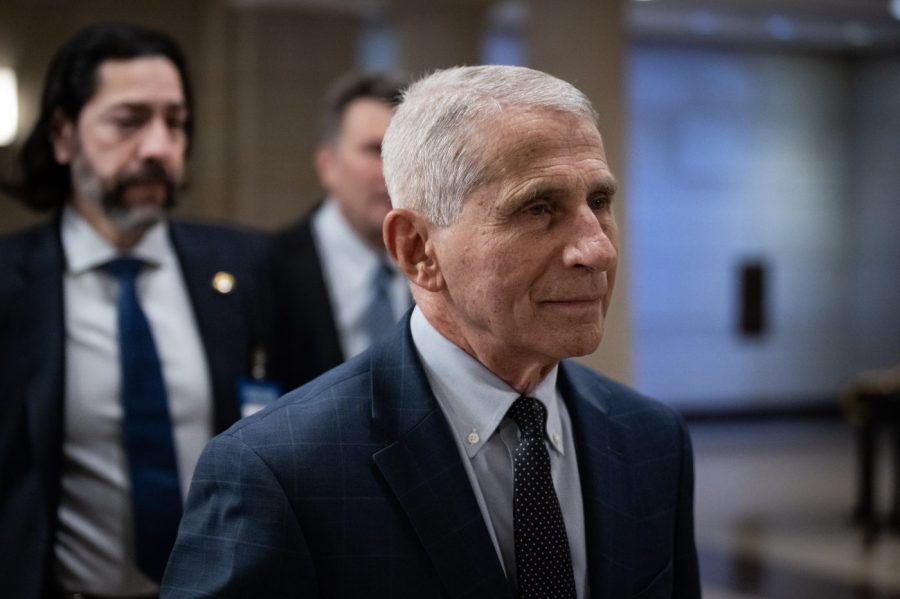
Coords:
309,343
32,370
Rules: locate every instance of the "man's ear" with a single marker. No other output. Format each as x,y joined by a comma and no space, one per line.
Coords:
62,137
407,239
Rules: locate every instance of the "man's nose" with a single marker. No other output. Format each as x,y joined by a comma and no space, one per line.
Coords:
592,241
159,141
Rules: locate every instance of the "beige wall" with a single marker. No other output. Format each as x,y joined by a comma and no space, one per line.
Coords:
259,69
438,34
282,60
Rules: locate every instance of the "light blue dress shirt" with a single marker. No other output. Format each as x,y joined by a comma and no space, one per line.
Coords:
93,546
348,266
475,401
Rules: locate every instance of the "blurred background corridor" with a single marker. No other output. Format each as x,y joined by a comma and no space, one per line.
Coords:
774,515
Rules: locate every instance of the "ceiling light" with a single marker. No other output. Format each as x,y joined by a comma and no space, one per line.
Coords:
9,106
894,9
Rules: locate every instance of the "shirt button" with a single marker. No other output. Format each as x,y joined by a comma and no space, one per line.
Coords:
473,438
557,439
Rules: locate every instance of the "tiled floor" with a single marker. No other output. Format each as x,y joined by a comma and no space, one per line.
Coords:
772,508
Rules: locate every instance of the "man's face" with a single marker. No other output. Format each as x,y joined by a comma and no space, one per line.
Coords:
529,266
350,168
127,148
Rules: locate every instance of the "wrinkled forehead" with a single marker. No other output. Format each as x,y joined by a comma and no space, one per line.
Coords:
512,139
146,79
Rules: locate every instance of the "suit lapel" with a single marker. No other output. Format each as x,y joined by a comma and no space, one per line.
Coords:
422,466
214,313
606,484
39,311
317,306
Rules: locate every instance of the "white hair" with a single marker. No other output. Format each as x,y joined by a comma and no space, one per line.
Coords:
434,149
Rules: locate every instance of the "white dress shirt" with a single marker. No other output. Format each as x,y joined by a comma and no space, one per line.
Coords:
475,402
349,266
94,540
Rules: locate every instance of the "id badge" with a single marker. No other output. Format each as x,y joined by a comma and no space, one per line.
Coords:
255,394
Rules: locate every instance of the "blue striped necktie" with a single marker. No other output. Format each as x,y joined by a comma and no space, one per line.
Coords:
147,429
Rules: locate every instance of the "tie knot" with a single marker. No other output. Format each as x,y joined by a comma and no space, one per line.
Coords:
124,267
530,415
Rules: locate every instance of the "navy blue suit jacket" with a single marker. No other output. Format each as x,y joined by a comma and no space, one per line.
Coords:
308,339
352,486
32,370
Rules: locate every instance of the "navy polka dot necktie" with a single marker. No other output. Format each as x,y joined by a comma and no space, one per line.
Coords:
146,428
543,562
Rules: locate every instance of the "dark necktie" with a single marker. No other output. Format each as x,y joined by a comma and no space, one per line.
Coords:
147,429
543,562
380,313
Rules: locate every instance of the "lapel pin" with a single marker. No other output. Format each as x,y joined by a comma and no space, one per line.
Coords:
223,282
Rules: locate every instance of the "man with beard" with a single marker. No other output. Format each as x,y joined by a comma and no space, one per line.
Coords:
124,333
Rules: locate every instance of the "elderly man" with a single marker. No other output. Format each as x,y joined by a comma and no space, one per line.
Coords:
462,457
124,333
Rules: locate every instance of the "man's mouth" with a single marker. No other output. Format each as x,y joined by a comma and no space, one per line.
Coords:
578,302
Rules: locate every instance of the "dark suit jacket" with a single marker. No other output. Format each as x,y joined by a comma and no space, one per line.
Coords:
32,353
308,341
352,486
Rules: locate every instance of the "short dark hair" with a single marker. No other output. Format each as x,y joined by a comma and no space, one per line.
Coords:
385,87
70,83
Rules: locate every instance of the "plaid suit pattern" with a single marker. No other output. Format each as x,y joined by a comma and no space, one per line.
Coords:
352,486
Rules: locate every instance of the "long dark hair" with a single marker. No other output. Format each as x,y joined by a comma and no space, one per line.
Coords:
70,83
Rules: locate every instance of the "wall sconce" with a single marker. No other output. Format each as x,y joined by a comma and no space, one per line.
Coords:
9,106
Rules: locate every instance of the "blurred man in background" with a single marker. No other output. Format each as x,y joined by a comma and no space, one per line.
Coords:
338,290
123,332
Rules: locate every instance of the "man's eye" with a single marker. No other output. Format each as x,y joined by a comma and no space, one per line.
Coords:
127,123
599,202
178,124
539,209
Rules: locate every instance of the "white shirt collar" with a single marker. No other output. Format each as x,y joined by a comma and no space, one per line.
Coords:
85,249
351,257
474,399
349,267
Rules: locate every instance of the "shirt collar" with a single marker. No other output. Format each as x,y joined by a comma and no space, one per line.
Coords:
474,398
348,252
85,249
